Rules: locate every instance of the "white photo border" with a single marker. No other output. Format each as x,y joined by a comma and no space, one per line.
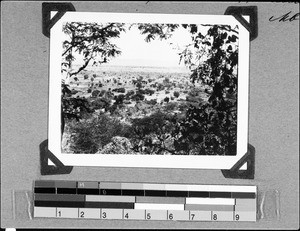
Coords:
146,161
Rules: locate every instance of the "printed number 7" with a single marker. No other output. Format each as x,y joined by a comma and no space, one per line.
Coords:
192,216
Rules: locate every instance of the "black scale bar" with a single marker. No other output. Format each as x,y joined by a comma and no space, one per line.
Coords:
86,204
88,191
160,193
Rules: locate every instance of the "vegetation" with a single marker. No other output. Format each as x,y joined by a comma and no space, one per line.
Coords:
197,116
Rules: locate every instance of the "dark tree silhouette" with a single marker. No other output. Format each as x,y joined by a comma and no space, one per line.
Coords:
211,127
93,42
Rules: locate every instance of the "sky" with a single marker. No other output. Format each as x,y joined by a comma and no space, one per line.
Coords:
137,52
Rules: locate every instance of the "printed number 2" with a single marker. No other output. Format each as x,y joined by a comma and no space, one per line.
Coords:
81,214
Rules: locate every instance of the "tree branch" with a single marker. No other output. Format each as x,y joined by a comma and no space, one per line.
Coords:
81,68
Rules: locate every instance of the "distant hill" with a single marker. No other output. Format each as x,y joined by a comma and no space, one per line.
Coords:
119,68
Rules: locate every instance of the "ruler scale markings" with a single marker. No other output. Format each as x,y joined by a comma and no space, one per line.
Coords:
196,198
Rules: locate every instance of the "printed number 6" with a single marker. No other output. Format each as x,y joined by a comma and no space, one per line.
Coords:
148,216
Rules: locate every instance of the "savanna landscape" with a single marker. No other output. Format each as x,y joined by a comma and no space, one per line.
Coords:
150,110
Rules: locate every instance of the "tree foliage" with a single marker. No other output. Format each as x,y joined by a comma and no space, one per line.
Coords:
209,127
92,41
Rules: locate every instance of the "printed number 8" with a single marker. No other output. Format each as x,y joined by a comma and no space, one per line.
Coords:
215,217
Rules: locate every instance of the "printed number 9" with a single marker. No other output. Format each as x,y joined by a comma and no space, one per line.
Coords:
237,217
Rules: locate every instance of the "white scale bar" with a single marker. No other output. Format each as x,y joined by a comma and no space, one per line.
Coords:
210,201
158,206
207,188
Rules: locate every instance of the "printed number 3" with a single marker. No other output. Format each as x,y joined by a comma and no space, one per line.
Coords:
104,215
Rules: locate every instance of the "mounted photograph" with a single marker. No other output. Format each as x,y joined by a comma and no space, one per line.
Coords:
148,90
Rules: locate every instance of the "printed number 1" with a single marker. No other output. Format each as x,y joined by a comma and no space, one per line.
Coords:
59,213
